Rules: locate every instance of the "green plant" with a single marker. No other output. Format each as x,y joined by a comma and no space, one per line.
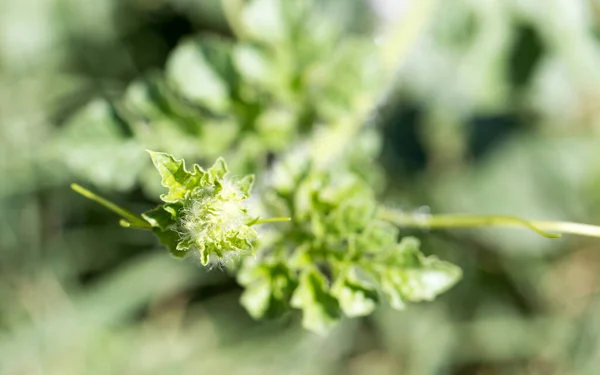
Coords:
339,253
291,107
335,256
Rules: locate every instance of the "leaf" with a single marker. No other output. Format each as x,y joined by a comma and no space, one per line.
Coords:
377,237
193,76
352,204
268,289
171,240
139,101
407,275
352,215
215,173
162,217
245,185
204,257
163,220
217,136
263,20
305,193
95,147
217,51
175,177
356,297
277,128
254,66
320,309
347,76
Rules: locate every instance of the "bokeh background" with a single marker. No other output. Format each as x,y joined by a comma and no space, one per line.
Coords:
495,110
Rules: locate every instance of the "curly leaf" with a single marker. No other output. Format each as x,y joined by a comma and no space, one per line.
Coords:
378,236
269,288
406,275
215,173
175,177
320,309
356,296
245,185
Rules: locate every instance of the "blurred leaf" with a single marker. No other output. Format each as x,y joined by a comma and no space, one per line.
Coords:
245,185
320,309
406,275
97,148
268,290
254,66
191,74
263,20
356,296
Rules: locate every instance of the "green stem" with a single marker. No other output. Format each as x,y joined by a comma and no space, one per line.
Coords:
232,9
398,40
326,146
131,220
475,221
270,220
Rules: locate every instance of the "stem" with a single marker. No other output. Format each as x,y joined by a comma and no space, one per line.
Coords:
475,221
402,35
270,220
131,220
393,47
232,10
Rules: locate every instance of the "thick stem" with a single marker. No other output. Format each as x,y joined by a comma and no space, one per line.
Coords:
130,219
474,221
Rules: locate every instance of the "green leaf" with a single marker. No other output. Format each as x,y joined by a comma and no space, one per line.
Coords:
377,237
139,101
245,185
175,177
356,296
263,20
96,147
268,289
306,193
277,128
171,240
254,66
217,51
193,76
204,257
217,136
216,172
163,220
162,217
320,309
352,215
406,275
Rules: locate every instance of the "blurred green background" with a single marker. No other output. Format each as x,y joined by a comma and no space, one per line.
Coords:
494,111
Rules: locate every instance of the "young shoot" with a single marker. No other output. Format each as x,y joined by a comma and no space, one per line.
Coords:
340,256
203,211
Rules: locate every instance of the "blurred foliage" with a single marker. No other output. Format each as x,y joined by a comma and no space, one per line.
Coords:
243,100
337,256
494,111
